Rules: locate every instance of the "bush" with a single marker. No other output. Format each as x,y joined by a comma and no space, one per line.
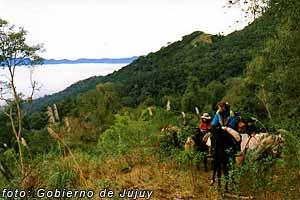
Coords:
124,136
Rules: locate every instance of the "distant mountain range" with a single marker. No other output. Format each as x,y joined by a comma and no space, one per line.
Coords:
87,60
27,61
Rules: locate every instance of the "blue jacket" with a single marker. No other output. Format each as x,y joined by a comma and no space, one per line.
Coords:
224,119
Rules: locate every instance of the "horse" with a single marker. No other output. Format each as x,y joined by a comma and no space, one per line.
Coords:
174,131
225,147
261,145
198,142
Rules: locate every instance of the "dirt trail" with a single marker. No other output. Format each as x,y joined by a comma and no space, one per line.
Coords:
170,183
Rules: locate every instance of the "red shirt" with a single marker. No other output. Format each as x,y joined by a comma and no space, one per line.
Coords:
204,126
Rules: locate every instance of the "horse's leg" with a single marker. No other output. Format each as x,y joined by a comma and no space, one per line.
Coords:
209,150
175,139
226,173
198,163
219,174
215,168
213,178
205,162
211,161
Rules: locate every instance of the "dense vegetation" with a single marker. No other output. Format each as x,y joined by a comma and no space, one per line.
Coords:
104,132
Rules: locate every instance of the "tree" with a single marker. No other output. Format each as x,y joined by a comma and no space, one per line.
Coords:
194,96
252,8
271,84
216,91
14,52
97,107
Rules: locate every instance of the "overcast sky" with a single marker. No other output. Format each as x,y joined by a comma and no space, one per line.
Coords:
114,28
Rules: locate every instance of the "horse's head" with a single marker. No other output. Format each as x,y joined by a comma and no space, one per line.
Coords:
269,144
277,145
189,144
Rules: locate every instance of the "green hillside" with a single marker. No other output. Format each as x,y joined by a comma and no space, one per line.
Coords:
165,72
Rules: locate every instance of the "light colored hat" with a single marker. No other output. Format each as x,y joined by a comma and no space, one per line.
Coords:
205,116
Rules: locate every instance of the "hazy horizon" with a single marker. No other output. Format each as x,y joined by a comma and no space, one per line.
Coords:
55,78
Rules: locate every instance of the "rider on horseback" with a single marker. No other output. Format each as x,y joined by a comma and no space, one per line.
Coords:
205,128
224,116
224,119
205,122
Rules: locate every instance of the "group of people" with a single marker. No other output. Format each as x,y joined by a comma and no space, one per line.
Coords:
224,119
224,136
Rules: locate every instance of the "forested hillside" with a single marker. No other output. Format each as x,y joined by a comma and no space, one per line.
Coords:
166,72
128,130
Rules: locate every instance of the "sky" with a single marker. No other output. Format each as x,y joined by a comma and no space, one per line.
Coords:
72,29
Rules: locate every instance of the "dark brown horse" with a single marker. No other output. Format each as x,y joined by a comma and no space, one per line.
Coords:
224,149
